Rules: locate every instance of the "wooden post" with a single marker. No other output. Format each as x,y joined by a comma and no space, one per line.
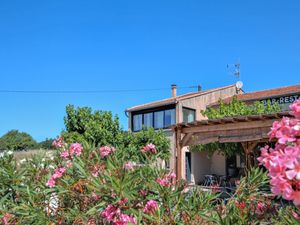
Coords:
178,154
248,148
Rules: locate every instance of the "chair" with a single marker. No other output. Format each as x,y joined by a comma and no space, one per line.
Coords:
209,180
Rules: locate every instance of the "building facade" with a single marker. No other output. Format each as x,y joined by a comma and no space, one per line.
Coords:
202,163
176,109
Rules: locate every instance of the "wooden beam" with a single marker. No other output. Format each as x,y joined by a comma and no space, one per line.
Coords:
186,138
229,126
254,134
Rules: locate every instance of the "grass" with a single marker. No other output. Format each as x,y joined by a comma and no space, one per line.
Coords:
28,154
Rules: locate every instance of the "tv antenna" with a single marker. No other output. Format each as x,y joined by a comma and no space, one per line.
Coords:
235,69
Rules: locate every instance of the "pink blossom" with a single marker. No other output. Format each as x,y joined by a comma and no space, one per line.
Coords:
260,208
95,197
166,180
151,148
128,166
283,162
105,151
110,212
92,221
295,107
240,205
114,215
125,219
296,197
58,173
294,170
58,143
295,215
96,170
76,149
6,219
51,183
150,207
64,154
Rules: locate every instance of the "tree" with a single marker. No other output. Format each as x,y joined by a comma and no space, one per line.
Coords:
100,128
46,144
15,140
96,127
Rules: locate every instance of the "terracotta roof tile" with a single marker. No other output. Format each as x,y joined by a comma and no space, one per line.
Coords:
257,95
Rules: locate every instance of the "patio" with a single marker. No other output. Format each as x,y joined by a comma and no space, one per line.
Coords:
247,130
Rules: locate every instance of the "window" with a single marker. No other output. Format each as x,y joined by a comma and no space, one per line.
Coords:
137,122
148,119
188,115
169,117
159,119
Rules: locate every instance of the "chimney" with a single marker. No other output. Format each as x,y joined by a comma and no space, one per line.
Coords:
174,90
199,88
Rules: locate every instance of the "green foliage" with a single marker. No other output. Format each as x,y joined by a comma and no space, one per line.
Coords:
239,108
227,149
98,127
15,140
134,142
46,144
79,196
234,108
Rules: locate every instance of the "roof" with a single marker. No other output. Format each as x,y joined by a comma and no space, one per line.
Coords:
173,100
258,95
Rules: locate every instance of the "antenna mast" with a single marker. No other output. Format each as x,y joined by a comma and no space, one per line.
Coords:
235,69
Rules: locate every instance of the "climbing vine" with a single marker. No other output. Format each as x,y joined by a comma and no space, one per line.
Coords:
233,108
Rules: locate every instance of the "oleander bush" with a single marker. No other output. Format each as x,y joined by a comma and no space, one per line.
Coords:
83,184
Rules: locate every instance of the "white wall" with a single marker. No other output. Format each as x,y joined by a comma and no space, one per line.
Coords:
203,163
200,166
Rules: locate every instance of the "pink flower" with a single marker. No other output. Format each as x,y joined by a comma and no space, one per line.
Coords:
260,208
105,151
128,166
125,219
95,197
151,148
6,219
92,221
58,143
166,180
114,216
295,215
64,154
283,162
58,173
110,212
150,207
240,205
96,170
76,149
294,170
51,183
296,197
295,107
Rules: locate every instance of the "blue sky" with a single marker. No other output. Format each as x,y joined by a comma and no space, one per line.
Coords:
113,45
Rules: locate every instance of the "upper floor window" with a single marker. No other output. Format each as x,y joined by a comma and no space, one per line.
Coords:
137,122
158,118
188,115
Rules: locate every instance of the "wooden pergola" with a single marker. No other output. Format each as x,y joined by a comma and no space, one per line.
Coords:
248,130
